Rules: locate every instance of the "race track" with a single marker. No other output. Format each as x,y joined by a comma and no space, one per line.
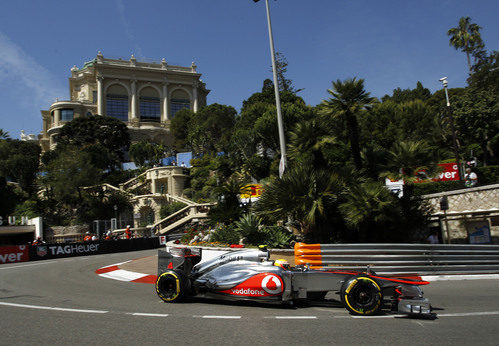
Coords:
64,302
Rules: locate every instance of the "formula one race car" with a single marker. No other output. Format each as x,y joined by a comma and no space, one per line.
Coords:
250,275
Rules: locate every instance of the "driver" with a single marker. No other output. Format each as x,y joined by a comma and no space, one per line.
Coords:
282,263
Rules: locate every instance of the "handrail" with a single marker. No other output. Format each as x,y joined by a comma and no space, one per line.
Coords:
184,213
401,258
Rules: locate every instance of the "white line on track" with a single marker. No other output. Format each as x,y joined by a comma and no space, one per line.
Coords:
219,316
146,314
296,317
53,308
464,314
25,265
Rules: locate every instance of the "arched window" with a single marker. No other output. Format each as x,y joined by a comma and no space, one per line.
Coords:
150,109
117,102
179,100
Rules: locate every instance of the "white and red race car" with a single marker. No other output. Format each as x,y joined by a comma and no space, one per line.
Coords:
250,275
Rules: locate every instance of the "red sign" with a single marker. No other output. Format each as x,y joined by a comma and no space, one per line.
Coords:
12,254
450,172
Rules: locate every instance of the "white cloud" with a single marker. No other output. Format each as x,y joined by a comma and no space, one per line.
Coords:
128,31
24,73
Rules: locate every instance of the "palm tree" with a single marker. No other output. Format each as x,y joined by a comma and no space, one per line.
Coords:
4,134
306,142
367,206
408,161
305,195
348,99
466,36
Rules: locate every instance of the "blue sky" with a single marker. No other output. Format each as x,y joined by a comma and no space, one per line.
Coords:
388,43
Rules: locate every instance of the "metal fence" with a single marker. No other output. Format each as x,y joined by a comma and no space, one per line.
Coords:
402,258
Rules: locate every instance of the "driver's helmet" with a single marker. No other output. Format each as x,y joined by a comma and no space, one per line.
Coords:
282,263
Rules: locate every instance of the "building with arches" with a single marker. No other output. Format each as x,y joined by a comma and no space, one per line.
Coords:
144,95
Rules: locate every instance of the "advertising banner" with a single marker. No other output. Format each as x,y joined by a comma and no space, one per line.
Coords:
450,172
49,251
13,254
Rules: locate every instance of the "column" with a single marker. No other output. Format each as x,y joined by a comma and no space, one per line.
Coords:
134,99
195,97
57,117
166,112
100,98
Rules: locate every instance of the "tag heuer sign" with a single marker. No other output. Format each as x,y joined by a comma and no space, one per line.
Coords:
41,251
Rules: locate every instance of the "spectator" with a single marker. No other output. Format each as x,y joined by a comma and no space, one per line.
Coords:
38,241
94,237
87,237
433,238
470,178
108,235
128,233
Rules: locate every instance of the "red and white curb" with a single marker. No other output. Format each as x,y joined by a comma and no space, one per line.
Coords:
114,272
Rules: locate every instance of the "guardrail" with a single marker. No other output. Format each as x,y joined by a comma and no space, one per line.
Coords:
401,258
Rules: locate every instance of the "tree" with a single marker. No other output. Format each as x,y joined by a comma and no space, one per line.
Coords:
180,125
307,196
210,129
477,119
348,100
408,160
399,95
281,66
146,153
466,37
19,161
4,134
106,131
64,179
367,206
486,73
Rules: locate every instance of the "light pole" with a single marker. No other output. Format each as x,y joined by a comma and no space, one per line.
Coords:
115,207
453,129
282,143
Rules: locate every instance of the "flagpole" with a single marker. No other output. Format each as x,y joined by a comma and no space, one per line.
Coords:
282,143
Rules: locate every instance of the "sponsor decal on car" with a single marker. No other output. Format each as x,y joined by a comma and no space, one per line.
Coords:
260,285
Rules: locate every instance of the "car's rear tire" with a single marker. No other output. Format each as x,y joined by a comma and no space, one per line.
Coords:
362,295
171,286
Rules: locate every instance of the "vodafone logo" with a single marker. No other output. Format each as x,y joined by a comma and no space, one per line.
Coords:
272,284
259,285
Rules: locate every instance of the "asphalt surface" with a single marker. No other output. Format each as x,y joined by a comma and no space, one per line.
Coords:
64,302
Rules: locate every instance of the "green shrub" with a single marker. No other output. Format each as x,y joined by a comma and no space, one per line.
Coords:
248,224
226,234
272,236
437,186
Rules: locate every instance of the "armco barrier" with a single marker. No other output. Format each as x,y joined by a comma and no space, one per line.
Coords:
401,258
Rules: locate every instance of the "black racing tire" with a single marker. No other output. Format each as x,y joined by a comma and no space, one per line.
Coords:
362,295
171,286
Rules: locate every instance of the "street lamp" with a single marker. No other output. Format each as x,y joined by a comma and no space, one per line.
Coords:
115,207
282,144
453,129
